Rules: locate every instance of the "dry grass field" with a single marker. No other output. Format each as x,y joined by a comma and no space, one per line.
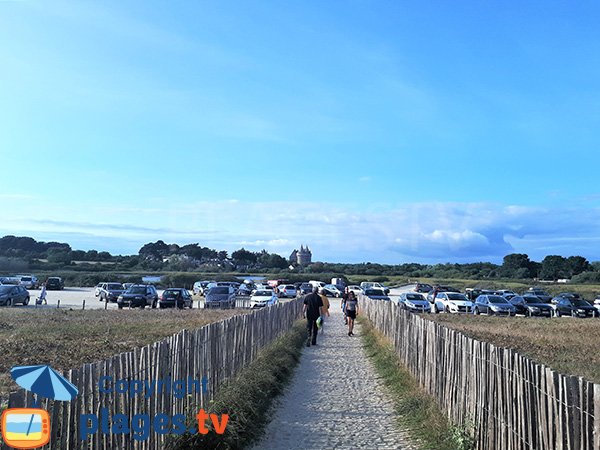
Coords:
67,339
568,345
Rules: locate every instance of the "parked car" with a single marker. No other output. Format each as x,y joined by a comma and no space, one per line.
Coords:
519,303
538,292
493,305
305,288
287,291
597,303
536,306
423,287
175,297
506,293
99,287
440,288
10,280
110,291
198,287
331,290
11,294
472,293
452,302
138,295
220,297
29,282
262,297
375,294
414,302
55,283
374,285
356,289
244,291
576,307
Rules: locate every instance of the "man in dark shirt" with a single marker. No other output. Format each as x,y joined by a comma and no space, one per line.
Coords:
313,309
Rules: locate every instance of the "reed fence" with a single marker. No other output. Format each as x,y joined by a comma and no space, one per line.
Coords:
510,401
215,352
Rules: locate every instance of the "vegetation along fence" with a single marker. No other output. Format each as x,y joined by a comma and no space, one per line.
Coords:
510,401
213,353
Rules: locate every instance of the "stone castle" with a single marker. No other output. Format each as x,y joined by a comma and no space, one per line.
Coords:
302,257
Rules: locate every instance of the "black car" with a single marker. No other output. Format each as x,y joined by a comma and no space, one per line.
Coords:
519,303
575,307
138,295
175,297
536,306
10,295
423,287
55,284
538,293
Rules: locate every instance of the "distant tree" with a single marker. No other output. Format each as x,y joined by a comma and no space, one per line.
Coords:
516,265
243,257
554,267
157,250
577,265
104,256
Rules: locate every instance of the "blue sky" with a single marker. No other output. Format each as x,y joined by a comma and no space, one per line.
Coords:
375,131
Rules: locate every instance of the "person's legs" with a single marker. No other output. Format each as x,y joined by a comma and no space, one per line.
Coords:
309,327
350,325
315,330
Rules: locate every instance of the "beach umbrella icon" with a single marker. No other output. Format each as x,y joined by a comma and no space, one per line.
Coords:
44,381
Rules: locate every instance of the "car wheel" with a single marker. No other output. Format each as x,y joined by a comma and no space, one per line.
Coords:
154,304
120,305
476,311
446,309
557,313
26,301
9,302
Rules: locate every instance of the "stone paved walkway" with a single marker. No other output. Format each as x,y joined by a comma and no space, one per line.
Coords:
335,400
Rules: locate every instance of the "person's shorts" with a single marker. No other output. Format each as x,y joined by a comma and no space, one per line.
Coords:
351,313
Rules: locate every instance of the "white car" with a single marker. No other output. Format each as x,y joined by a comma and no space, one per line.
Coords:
374,285
597,304
356,289
99,287
452,302
262,297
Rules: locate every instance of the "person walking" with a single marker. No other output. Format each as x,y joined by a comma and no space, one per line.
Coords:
351,311
326,305
344,298
313,309
42,297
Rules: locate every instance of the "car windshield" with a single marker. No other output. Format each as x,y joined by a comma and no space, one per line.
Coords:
497,299
219,290
579,302
115,287
171,292
25,278
414,297
137,290
459,297
517,300
263,293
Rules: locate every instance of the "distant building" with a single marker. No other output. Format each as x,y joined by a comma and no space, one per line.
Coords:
302,257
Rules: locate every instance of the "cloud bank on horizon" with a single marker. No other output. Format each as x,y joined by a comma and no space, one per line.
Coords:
417,232
371,131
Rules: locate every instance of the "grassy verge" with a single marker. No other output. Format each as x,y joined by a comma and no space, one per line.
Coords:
68,339
249,397
567,345
417,410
